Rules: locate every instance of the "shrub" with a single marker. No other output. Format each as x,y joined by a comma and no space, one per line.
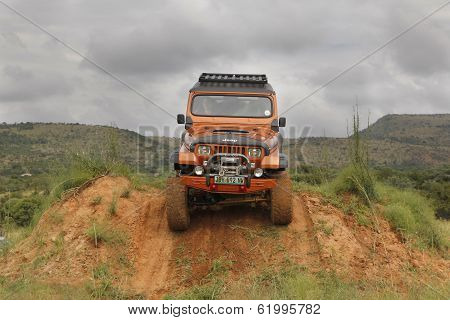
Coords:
312,175
21,211
356,180
400,182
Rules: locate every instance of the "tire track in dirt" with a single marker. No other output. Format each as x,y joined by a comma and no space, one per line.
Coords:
245,238
305,246
153,252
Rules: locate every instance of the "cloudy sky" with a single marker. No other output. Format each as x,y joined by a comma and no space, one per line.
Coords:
161,47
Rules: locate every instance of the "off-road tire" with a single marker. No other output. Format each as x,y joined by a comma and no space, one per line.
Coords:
281,206
178,217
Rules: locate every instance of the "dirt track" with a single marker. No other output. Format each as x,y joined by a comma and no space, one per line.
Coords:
240,235
320,238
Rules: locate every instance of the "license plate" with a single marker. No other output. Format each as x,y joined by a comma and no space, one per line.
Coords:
229,180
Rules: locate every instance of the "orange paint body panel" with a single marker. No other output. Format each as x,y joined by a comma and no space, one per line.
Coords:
256,185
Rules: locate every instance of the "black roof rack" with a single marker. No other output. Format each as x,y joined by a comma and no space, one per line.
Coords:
233,78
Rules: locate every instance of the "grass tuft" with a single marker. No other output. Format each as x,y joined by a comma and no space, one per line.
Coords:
103,287
112,209
96,201
100,232
125,193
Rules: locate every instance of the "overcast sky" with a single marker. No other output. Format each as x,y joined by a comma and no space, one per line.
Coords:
161,47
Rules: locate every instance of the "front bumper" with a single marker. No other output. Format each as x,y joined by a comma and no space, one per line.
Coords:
256,185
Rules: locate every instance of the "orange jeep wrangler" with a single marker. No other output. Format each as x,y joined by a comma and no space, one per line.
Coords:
231,150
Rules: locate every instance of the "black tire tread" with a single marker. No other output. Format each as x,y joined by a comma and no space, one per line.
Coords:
178,217
281,212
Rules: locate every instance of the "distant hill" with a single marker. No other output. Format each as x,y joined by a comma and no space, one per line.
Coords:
394,140
429,130
38,147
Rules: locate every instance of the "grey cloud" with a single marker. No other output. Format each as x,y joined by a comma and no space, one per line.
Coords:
13,39
423,53
160,47
20,85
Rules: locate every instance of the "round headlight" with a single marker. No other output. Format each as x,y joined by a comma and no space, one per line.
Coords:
254,152
204,150
198,170
258,172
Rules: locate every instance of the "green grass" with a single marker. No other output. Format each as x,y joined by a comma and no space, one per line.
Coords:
96,201
56,217
355,180
211,287
413,216
325,228
209,291
26,288
14,235
104,233
219,267
312,175
253,233
103,287
410,213
295,282
112,208
125,193
143,181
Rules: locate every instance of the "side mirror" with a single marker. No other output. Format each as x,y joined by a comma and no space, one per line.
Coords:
180,119
282,122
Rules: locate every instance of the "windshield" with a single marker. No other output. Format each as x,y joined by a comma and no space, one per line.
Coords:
232,106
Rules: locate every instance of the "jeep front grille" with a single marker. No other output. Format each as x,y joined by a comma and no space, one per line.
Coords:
229,149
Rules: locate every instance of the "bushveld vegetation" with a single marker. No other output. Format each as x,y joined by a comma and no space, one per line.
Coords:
20,211
410,200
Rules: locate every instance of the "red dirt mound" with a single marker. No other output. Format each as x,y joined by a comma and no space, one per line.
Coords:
361,252
146,257
59,249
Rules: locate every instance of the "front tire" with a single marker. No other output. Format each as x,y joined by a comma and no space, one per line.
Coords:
281,206
178,217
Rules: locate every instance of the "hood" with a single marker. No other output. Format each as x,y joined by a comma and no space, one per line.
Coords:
261,133
241,135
